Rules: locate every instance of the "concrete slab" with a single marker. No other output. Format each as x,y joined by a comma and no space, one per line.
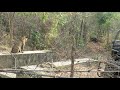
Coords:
34,67
8,60
7,75
77,61
26,52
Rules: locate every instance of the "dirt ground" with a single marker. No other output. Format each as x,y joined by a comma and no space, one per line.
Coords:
62,72
80,67
93,51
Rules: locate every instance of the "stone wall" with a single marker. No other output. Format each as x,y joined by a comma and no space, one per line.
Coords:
8,60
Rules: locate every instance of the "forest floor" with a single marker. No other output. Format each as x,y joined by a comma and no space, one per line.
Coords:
85,67
4,48
93,50
81,70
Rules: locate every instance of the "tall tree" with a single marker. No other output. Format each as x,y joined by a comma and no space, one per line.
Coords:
10,20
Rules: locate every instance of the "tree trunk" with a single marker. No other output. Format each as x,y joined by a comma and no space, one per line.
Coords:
72,51
11,16
72,62
81,27
11,31
108,37
84,33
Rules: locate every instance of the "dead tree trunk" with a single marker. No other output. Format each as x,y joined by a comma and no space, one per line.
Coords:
72,62
81,31
72,36
84,33
108,36
10,17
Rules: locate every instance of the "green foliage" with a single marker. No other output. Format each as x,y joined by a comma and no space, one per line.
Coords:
44,16
103,18
93,35
4,23
81,43
37,40
97,24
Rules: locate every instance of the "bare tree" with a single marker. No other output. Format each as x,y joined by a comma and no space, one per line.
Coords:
10,20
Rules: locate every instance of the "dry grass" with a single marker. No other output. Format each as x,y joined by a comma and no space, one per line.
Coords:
80,67
4,48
